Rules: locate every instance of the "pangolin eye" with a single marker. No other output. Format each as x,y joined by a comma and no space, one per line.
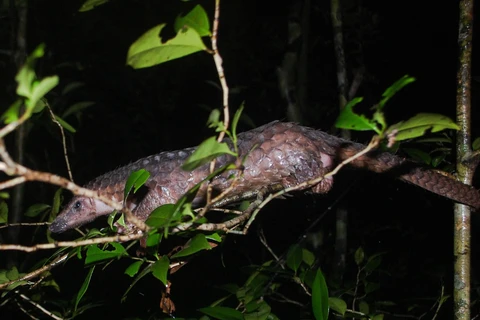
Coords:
77,205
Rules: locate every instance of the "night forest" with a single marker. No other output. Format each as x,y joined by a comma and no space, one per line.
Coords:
373,247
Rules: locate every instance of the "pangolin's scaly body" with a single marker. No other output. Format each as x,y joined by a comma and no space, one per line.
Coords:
277,153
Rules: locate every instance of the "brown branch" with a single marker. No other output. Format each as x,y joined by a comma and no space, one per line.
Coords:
11,183
27,174
72,244
465,171
221,73
36,273
229,224
7,225
39,307
217,58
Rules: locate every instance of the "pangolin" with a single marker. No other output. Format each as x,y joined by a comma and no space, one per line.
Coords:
277,153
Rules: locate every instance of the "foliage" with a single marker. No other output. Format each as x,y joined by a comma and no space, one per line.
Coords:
294,278
414,127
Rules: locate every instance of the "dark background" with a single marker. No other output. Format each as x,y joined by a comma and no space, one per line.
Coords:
141,112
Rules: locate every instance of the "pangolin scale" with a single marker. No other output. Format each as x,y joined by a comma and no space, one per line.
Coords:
278,153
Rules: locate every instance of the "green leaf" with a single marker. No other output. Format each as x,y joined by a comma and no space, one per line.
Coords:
132,269
145,271
40,105
347,119
419,124
438,160
378,316
120,221
379,118
71,86
11,114
359,256
154,238
373,262
161,216
12,274
371,287
136,180
197,243
40,89
214,118
91,4
77,107
57,200
197,19
308,257
26,75
418,155
160,269
253,289
257,310
394,88
364,307
235,120
476,144
111,219
222,313
95,254
84,287
231,288
214,237
294,257
385,303
3,212
36,209
3,276
337,304
205,152
150,50
65,124
320,297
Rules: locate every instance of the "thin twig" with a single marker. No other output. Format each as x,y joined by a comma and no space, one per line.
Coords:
39,307
263,240
221,73
23,224
72,244
37,272
217,58
64,142
286,299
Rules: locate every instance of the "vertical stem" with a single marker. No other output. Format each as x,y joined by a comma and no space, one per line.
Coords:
19,39
219,65
342,81
341,239
462,227
303,67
